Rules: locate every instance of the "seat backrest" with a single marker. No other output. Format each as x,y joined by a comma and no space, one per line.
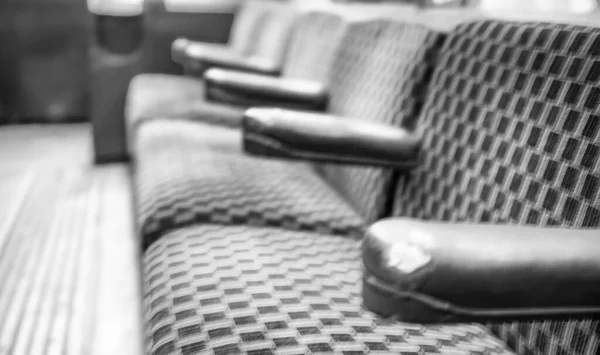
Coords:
247,26
271,41
314,43
511,134
379,74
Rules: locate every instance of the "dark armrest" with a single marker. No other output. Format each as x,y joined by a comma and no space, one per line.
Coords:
198,58
249,89
432,272
180,46
326,138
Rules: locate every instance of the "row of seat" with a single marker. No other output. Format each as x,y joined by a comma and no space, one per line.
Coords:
258,42
385,175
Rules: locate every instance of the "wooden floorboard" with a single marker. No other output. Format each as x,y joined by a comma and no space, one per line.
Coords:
69,271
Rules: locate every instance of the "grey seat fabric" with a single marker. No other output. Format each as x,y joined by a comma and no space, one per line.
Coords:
390,90
179,178
247,26
511,134
313,46
154,95
272,43
243,290
162,96
197,176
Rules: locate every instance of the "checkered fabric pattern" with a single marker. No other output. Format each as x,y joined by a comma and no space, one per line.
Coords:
165,137
511,134
380,75
313,47
243,290
199,176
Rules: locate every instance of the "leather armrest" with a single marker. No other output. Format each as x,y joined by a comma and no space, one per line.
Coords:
249,89
325,138
433,272
198,58
180,46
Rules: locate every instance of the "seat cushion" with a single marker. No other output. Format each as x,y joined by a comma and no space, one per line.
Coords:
229,290
155,94
173,97
189,173
162,136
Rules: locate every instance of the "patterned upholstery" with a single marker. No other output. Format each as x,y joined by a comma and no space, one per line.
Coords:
163,137
171,97
246,27
181,181
232,290
313,46
196,174
274,36
381,80
511,134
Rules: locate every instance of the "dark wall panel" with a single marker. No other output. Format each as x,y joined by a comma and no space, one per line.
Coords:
8,63
115,58
43,65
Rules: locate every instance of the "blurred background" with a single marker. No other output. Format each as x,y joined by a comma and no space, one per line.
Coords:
53,50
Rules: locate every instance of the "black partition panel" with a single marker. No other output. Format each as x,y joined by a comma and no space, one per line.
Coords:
8,63
115,58
44,60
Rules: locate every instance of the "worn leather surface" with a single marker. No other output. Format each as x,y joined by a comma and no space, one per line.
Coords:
322,137
484,266
249,89
178,49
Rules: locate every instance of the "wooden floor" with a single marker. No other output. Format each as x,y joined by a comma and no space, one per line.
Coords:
69,271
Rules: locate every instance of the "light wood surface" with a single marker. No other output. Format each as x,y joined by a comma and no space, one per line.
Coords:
69,270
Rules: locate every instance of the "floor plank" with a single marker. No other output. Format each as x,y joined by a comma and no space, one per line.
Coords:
69,272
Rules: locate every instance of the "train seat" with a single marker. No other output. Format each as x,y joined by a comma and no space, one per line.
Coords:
509,135
189,173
